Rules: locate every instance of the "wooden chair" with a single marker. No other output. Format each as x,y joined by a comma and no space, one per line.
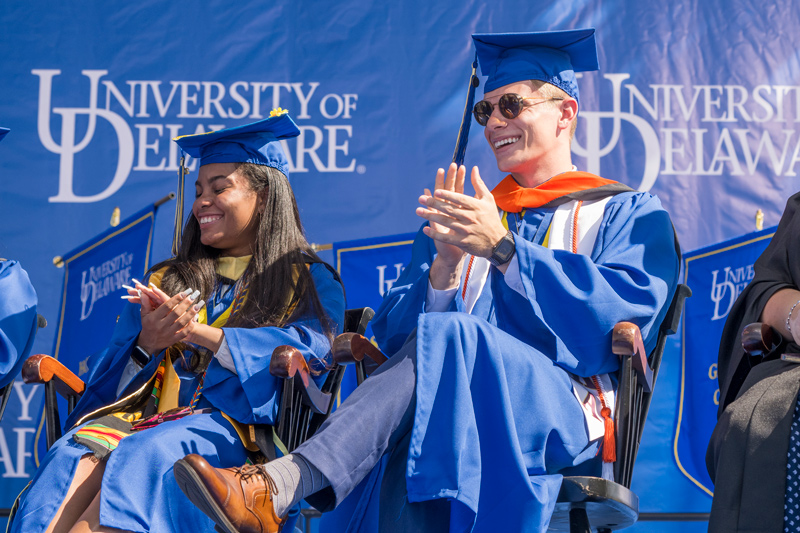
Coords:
586,503
303,408
589,503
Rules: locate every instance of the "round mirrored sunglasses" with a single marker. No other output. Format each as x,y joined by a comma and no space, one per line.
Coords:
510,104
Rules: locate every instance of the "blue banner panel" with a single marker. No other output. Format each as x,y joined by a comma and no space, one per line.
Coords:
94,274
368,268
717,275
696,101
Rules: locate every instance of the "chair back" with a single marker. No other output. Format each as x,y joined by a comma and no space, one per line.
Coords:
303,407
633,403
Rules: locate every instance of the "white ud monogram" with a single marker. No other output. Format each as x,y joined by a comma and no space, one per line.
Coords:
698,130
385,285
69,147
593,152
727,287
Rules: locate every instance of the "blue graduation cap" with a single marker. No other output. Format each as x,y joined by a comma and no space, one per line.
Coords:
256,143
252,143
3,132
550,56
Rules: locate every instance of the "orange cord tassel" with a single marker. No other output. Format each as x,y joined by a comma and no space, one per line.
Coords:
609,441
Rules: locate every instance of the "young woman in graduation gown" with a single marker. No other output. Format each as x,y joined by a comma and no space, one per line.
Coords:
244,256
747,455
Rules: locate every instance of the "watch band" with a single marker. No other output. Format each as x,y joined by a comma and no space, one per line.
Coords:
140,356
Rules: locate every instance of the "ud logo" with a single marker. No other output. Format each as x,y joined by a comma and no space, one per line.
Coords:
70,146
724,291
593,152
385,285
104,279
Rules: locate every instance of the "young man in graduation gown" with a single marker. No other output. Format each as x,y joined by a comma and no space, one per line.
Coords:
18,319
502,377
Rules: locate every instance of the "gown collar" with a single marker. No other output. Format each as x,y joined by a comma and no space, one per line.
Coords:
232,267
511,197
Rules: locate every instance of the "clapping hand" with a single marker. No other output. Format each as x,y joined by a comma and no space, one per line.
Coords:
460,223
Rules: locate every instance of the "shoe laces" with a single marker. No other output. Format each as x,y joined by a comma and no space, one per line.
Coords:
249,471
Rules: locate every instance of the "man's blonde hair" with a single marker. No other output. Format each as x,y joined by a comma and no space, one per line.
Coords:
548,90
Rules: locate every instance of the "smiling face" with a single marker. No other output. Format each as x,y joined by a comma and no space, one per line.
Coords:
226,208
534,146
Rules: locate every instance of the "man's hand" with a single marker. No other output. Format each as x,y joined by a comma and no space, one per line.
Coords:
446,268
460,222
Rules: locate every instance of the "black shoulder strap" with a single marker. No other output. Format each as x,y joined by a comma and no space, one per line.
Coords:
612,189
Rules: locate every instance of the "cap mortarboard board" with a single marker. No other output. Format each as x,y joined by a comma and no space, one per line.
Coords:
252,143
3,132
550,56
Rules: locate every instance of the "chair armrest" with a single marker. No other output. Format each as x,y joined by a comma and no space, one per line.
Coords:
627,342
352,347
759,339
43,369
288,363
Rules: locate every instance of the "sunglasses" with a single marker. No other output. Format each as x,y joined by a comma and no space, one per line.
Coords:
510,104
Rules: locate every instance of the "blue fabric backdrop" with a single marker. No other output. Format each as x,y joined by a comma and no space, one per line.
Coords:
696,101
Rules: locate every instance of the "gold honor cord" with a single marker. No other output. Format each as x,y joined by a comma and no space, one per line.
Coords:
176,236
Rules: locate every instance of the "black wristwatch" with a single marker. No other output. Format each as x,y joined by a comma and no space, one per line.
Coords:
503,251
140,357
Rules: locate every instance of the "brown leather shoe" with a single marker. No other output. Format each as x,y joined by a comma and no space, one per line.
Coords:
238,500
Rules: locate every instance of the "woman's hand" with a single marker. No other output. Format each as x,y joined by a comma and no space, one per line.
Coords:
140,291
167,323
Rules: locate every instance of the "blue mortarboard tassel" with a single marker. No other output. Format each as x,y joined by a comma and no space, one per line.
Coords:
466,119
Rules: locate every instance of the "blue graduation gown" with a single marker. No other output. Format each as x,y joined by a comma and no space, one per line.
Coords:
493,389
17,319
139,492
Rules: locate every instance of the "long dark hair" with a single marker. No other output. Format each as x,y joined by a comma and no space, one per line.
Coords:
280,252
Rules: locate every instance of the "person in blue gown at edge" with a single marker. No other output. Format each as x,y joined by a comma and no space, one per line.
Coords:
17,315
502,375
194,345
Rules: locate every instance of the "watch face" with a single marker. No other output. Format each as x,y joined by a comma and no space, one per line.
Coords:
503,251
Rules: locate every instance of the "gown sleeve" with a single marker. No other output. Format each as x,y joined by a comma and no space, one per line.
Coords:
107,366
17,319
574,301
250,396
